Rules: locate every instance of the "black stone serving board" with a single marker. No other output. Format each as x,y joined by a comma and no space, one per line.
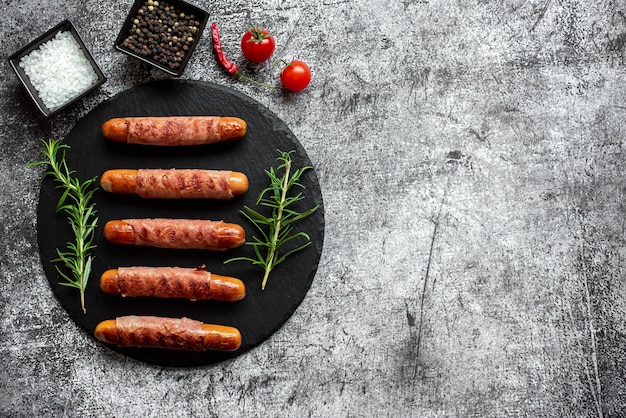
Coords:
260,313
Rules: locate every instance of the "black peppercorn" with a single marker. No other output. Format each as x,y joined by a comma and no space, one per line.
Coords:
162,33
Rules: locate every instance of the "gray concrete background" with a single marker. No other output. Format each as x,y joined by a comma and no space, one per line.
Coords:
471,157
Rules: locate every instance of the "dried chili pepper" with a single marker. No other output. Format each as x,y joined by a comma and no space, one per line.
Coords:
228,65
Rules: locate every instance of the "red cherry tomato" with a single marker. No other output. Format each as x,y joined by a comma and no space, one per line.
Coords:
295,76
257,45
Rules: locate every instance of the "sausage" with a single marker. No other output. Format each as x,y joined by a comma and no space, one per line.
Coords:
173,333
172,282
175,233
174,130
173,184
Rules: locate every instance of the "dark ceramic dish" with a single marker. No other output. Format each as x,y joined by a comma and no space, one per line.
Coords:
152,43
14,59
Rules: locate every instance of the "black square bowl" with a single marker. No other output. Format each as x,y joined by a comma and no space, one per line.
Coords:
155,35
14,59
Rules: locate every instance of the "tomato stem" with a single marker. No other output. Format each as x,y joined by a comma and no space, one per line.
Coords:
238,74
257,34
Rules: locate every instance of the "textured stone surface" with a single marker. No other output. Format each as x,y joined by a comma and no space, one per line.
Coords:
471,156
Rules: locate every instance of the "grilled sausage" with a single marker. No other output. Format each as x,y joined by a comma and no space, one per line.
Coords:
173,184
172,282
174,130
175,233
173,333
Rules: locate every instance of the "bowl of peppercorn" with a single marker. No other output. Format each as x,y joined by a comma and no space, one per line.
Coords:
162,33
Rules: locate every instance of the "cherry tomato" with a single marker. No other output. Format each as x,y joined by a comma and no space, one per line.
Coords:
296,75
257,45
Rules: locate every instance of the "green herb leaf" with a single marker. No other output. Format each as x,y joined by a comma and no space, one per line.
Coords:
76,203
276,230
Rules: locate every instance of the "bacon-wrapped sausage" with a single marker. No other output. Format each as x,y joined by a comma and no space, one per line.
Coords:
175,233
173,333
174,130
176,184
172,282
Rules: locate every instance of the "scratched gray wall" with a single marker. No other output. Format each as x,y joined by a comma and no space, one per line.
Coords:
471,156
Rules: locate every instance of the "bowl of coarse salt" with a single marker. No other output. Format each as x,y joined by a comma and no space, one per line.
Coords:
57,69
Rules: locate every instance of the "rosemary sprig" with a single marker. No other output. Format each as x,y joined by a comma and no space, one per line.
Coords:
76,203
277,230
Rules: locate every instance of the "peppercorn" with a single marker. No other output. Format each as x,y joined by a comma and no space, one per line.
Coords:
161,33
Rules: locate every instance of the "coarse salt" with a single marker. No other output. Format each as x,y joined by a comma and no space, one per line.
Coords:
59,70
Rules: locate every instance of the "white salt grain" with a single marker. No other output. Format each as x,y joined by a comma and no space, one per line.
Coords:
59,70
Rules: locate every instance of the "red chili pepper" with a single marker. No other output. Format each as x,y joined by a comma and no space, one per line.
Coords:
219,53
230,66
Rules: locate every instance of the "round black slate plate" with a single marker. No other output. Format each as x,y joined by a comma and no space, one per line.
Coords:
257,316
